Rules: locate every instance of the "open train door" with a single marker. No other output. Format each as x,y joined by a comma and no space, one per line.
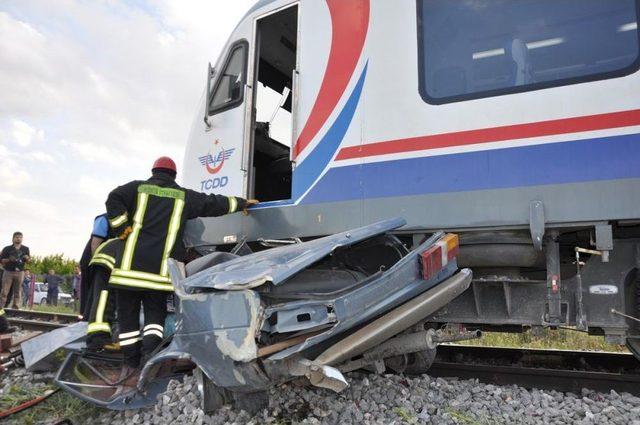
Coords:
214,154
274,82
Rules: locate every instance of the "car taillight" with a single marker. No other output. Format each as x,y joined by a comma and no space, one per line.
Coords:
438,256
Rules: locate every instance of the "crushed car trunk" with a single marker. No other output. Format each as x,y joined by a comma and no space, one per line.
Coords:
248,323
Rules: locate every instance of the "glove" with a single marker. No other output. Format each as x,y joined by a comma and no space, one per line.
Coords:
126,232
244,204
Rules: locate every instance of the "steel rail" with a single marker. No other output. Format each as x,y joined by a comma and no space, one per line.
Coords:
35,325
41,315
39,320
560,370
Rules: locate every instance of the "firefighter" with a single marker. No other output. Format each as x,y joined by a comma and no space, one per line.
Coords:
99,234
151,214
103,303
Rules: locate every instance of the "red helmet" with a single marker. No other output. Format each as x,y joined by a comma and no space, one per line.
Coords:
166,163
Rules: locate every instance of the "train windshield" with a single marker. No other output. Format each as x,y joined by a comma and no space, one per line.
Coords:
482,48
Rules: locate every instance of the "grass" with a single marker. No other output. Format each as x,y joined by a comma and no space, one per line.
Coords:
56,408
563,339
17,395
54,309
466,419
405,415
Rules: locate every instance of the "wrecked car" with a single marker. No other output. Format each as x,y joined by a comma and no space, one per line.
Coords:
309,310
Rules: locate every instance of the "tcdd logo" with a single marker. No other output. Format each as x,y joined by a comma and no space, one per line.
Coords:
214,163
215,183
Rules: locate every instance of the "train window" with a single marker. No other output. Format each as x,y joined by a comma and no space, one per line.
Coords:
229,89
481,48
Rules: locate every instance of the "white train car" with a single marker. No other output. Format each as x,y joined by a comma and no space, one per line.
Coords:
514,124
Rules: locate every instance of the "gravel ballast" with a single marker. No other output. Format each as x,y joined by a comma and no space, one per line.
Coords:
396,399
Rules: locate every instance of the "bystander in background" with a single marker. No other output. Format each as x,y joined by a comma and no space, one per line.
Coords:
76,286
53,282
13,258
26,287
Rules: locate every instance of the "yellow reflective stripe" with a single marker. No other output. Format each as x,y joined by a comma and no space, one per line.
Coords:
1,311
105,257
233,204
103,245
98,327
102,305
140,275
133,237
119,220
109,264
163,192
174,227
142,284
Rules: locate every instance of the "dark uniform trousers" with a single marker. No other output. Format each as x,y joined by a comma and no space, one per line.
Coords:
103,308
103,299
154,304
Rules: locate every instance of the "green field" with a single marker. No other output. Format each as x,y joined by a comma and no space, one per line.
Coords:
564,339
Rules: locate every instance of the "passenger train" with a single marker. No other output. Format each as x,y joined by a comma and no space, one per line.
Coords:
515,125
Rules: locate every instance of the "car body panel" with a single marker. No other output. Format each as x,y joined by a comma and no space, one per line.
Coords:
277,265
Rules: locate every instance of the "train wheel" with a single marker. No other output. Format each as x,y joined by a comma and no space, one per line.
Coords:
633,344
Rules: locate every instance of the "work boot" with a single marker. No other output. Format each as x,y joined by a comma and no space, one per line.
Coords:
98,341
4,326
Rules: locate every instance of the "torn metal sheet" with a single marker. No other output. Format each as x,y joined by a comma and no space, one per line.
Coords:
321,376
278,264
97,380
41,353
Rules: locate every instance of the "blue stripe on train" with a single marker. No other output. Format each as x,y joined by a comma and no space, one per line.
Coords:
605,158
310,169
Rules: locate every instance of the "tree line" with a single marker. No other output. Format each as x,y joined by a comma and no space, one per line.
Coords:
59,263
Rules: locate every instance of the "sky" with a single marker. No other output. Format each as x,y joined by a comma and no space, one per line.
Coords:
91,92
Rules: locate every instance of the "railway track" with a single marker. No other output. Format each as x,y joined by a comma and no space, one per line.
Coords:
39,320
560,370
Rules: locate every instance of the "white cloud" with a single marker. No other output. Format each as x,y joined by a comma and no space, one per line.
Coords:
92,187
13,174
23,134
40,157
115,83
95,153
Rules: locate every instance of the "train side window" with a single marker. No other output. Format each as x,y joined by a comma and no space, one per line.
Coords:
228,91
483,48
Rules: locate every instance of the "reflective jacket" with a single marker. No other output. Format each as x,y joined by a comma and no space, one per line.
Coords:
156,210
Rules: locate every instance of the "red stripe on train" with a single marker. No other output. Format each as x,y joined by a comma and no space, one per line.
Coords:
349,23
495,134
